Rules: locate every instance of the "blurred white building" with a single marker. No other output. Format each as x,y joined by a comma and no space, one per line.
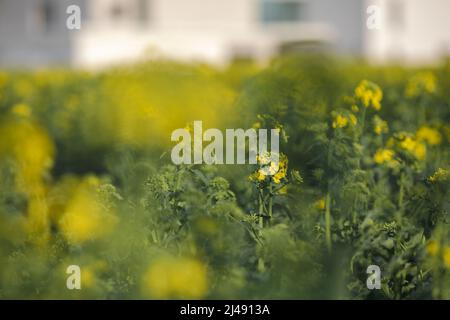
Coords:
34,32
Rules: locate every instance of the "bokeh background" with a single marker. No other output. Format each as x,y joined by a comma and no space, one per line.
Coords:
86,177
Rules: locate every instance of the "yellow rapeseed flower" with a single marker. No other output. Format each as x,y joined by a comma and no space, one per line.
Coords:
429,135
3,79
320,204
276,170
420,151
416,148
282,169
424,82
384,156
32,150
340,121
84,218
353,119
369,94
433,248
279,176
446,257
89,273
257,176
184,278
22,110
256,125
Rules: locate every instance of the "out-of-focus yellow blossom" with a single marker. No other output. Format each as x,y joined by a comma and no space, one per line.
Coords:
22,110
424,82
355,108
420,151
433,248
446,257
416,148
175,278
23,88
429,135
84,218
439,175
89,274
32,150
37,222
3,79
369,94
340,122
385,156
256,125
320,204
87,278
140,108
380,126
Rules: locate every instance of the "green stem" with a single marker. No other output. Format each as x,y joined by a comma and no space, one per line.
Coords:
261,210
270,202
328,222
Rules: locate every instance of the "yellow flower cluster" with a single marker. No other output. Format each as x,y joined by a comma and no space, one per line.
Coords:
168,277
341,121
89,274
22,110
408,142
369,94
439,175
424,82
415,147
82,216
429,135
446,257
276,171
385,156
30,146
433,248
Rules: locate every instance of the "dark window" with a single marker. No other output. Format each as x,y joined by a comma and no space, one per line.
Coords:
281,11
46,15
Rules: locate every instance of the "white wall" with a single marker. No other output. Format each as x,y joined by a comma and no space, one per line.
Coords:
417,32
